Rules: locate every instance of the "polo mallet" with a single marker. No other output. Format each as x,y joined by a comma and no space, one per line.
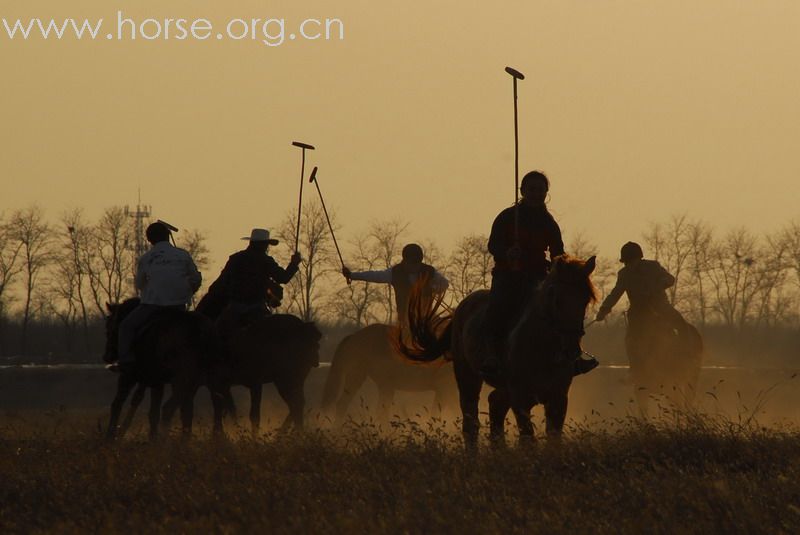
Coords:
516,75
303,146
171,228
313,178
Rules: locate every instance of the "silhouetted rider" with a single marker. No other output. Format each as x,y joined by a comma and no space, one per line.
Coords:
166,277
250,282
402,277
645,282
520,264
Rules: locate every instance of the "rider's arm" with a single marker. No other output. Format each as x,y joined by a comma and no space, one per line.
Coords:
279,274
498,239
383,276
193,275
555,242
614,296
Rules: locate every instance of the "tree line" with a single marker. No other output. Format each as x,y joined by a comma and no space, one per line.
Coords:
61,273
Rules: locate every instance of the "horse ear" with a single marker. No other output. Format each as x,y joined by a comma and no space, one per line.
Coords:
109,307
590,265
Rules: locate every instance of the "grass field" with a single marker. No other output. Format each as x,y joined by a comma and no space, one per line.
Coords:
693,475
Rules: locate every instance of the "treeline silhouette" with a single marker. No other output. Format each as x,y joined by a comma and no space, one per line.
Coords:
740,288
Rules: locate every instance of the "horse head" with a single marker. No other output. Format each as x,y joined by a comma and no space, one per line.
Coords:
116,313
559,305
312,336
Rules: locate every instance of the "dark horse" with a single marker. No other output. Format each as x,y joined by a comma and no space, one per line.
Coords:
371,353
662,361
279,349
176,348
543,345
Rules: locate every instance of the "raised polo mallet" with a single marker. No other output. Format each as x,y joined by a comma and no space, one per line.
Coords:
303,146
313,178
516,75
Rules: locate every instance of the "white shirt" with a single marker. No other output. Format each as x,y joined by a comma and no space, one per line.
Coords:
166,276
439,283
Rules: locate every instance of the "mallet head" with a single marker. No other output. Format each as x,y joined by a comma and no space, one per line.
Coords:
172,228
313,176
303,145
515,73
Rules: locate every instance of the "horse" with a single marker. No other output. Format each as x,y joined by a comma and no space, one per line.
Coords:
177,348
370,353
277,348
542,348
662,360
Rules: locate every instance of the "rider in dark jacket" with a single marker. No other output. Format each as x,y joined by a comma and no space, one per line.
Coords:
645,282
521,237
251,280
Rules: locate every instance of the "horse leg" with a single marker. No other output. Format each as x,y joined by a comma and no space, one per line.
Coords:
469,391
125,383
294,397
187,409
523,416
385,400
255,407
156,397
217,393
555,411
136,400
168,411
498,408
353,381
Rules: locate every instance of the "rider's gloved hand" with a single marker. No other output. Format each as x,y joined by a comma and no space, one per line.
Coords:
296,259
347,274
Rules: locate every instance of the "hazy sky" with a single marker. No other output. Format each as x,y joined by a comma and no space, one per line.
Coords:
636,110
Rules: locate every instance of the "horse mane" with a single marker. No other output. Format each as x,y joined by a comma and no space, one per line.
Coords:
428,327
571,270
124,308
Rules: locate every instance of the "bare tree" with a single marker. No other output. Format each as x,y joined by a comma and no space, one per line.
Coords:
734,277
469,267
385,236
29,229
604,274
108,258
671,245
356,303
69,276
305,289
10,267
700,239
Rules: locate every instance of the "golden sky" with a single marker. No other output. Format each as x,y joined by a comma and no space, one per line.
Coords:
636,109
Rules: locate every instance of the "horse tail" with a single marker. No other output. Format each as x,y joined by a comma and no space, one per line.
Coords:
429,330
336,373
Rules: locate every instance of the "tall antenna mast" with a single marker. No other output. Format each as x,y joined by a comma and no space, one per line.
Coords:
139,214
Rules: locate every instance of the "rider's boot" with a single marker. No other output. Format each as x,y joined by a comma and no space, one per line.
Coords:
583,365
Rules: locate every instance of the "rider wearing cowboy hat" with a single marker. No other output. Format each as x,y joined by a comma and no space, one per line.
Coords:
251,278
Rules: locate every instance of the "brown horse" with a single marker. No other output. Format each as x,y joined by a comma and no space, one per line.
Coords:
371,353
662,361
278,349
539,365
177,348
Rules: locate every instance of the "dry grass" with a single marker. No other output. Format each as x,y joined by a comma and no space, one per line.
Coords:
694,475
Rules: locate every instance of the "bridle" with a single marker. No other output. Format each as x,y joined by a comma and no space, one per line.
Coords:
564,334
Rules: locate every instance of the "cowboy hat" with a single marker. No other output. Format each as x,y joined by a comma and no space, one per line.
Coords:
261,235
